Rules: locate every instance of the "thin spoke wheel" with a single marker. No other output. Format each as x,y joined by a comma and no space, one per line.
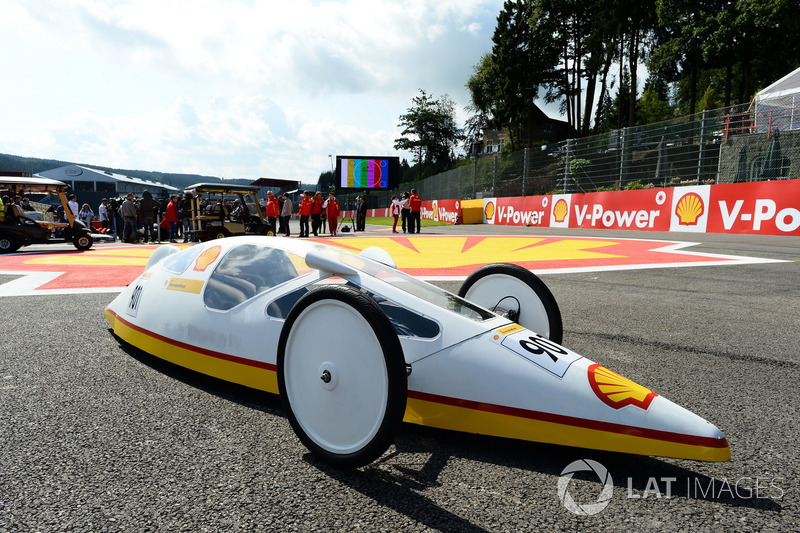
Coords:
341,376
517,293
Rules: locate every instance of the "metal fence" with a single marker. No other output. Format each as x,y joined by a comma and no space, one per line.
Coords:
728,145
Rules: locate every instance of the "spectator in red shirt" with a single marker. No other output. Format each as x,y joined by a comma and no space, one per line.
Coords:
316,213
172,217
272,210
414,204
304,211
331,207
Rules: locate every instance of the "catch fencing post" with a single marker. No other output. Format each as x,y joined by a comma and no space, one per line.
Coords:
701,151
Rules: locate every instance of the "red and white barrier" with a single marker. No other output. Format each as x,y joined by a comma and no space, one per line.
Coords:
764,207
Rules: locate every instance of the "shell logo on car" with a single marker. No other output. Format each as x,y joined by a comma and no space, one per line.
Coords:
618,391
690,208
206,258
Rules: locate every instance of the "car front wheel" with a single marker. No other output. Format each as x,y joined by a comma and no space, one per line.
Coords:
518,294
342,376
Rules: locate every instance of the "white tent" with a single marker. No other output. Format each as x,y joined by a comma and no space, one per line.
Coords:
776,107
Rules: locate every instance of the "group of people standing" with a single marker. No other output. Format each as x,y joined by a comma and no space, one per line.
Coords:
311,209
408,208
132,214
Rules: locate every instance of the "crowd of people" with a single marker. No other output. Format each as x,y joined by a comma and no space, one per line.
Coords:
313,211
139,220
147,219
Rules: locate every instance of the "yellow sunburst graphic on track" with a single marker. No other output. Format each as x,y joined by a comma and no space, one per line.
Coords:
424,252
127,256
449,252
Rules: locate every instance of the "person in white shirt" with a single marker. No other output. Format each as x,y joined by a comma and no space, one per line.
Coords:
73,205
102,214
395,211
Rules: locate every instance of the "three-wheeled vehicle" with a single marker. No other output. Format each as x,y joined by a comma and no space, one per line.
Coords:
227,210
23,228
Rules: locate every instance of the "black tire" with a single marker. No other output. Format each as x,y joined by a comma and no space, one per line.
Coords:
8,244
268,231
219,233
537,307
82,241
349,417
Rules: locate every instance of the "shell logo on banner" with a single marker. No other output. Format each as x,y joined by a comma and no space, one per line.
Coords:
559,214
690,209
488,211
560,210
206,258
617,391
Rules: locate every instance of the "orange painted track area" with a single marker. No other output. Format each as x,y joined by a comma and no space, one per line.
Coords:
432,257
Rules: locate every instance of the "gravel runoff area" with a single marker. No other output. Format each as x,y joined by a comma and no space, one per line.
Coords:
97,436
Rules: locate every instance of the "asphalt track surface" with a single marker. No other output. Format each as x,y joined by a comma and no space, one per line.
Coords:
97,436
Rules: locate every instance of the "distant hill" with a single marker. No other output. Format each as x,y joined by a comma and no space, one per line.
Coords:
32,165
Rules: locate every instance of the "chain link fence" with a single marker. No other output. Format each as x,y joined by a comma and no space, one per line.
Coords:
728,145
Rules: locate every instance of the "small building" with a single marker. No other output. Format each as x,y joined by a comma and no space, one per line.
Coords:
542,129
91,185
89,180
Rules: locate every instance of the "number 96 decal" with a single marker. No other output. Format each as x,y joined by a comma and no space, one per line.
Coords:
537,349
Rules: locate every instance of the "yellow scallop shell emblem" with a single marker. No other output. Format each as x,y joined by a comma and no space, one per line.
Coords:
560,210
488,211
206,258
689,209
617,391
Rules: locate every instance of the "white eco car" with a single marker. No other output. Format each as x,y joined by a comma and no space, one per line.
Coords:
355,346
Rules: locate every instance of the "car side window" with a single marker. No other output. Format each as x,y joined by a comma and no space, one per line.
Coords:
406,322
180,261
247,271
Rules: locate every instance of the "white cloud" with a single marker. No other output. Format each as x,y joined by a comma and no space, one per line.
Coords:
229,88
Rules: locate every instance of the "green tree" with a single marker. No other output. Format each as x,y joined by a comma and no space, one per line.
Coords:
734,47
430,131
654,105
326,181
522,61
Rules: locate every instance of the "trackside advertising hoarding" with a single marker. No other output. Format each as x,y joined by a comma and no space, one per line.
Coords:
767,207
441,211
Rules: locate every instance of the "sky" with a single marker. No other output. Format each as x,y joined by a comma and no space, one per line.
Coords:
228,88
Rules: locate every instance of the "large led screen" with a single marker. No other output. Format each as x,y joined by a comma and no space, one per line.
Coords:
361,172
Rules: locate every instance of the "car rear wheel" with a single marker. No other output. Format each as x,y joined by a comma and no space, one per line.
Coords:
342,376
8,244
518,294
82,242
219,233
